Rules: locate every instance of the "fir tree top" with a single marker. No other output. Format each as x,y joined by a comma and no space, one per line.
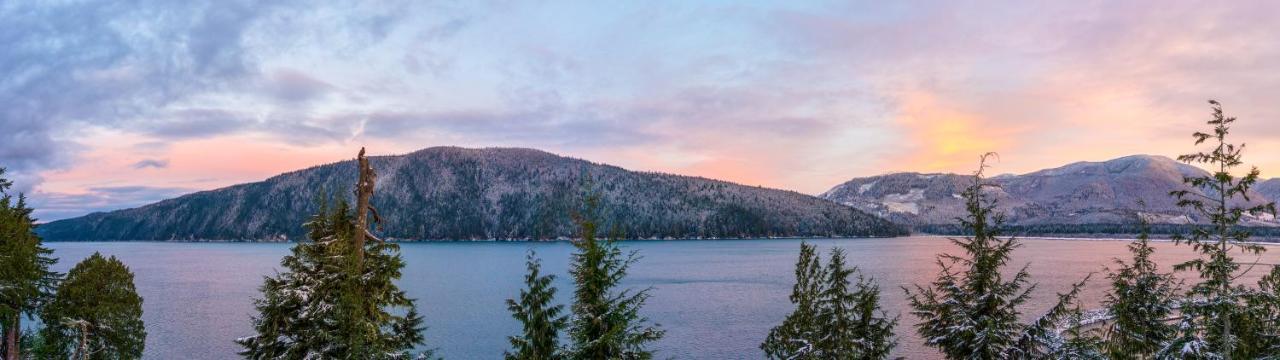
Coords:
971,310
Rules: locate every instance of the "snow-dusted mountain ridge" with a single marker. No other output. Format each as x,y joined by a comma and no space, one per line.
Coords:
456,193
1106,192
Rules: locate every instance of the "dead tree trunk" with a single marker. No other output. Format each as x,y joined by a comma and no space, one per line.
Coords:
364,191
82,348
11,336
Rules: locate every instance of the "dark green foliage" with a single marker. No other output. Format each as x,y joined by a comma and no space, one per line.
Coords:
1140,302
96,314
297,314
971,310
26,282
832,320
854,325
322,306
1209,319
606,323
32,343
798,335
542,320
736,221
462,194
1258,321
1259,327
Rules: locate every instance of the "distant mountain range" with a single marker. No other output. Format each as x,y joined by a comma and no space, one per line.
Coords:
455,193
1105,192
451,193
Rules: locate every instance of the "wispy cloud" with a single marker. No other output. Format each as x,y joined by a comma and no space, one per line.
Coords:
293,86
151,163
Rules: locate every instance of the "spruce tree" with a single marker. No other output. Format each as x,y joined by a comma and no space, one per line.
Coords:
606,322
337,298
971,310
1260,330
296,313
834,317
26,282
542,320
853,325
798,335
1207,325
1140,302
96,314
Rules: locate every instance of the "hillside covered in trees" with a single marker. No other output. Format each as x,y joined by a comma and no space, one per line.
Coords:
1078,198
450,193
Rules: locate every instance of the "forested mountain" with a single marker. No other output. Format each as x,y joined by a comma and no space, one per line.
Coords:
1269,189
1080,193
494,193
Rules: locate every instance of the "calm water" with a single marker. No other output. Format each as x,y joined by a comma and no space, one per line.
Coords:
716,299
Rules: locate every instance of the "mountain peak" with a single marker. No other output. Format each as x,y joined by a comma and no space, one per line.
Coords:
480,151
1269,188
1086,192
487,193
1132,164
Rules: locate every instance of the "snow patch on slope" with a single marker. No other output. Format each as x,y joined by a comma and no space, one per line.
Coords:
904,203
1165,218
865,187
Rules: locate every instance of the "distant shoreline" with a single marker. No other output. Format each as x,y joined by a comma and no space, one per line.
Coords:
402,241
1115,237
1100,237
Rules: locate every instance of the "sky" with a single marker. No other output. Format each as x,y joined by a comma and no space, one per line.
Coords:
114,104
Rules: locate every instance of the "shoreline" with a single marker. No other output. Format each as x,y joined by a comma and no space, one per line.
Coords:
402,241
1068,238
1116,237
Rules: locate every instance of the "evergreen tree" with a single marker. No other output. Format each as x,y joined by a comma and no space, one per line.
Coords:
831,319
321,307
853,325
26,282
1140,302
96,314
1208,329
337,298
1260,326
32,343
296,314
798,335
971,310
542,320
606,323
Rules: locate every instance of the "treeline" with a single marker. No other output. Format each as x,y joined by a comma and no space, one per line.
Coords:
92,312
1257,233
